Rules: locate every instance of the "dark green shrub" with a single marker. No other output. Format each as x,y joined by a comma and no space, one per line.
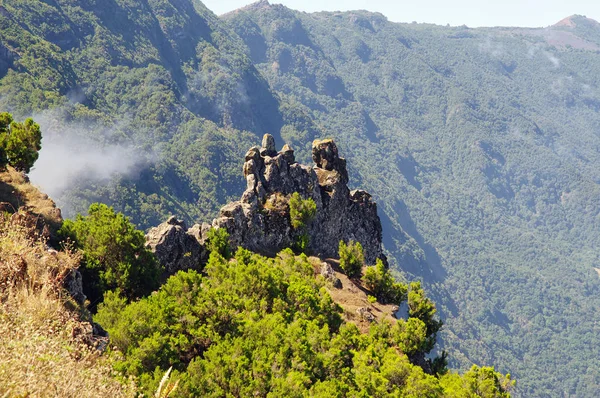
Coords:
421,307
114,256
302,211
352,258
301,244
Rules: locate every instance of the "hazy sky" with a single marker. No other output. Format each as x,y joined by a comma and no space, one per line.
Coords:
473,13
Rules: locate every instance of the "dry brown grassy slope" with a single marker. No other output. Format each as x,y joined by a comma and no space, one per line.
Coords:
16,192
45,344
352,296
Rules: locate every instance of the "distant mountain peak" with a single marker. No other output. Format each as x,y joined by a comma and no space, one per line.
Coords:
259,4
575,20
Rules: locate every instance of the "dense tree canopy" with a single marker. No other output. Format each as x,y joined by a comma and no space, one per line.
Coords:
256,326
19,142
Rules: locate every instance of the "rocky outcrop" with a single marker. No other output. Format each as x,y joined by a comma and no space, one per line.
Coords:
328,273
176,247
260,220
73,283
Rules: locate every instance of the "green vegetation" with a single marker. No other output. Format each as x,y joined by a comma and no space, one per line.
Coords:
114,256
302,212
381,283
352,258
485,137
217,241
255,326
422,308
477,382
19,142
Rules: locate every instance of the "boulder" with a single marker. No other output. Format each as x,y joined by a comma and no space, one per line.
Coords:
325,155
365,313
73,283
328,273
268,146
175,247
288,154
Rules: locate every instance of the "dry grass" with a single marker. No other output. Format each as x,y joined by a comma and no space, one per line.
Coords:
16,191
277,203
44,344
26,263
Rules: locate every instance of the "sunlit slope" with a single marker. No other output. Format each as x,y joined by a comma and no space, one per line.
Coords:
481,144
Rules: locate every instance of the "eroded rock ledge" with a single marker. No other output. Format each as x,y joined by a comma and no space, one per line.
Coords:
260,220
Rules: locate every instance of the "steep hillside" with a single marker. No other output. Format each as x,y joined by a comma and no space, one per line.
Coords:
479,145
145,105
47,346
482,146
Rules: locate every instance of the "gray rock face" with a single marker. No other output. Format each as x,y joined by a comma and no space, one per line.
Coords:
328,273
176,247
260,220
73,283
268,146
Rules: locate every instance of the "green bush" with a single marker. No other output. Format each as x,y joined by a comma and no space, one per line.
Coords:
19,142
218,242
302,211
421,307
257,326
380,282
479,381
114,256
352,258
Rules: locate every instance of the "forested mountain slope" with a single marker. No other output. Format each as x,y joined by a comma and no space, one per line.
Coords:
482,145
479,145
163,86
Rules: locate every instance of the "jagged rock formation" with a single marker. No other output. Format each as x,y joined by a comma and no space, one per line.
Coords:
176,247
260,220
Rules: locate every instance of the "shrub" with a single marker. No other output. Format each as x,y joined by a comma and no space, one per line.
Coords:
421,307
301,244
218,241
114,256
351,258
302,211
19,142
380,282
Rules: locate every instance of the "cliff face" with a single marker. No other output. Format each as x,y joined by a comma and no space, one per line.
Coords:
260,220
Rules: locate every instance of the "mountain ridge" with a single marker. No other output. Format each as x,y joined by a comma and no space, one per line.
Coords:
478,145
